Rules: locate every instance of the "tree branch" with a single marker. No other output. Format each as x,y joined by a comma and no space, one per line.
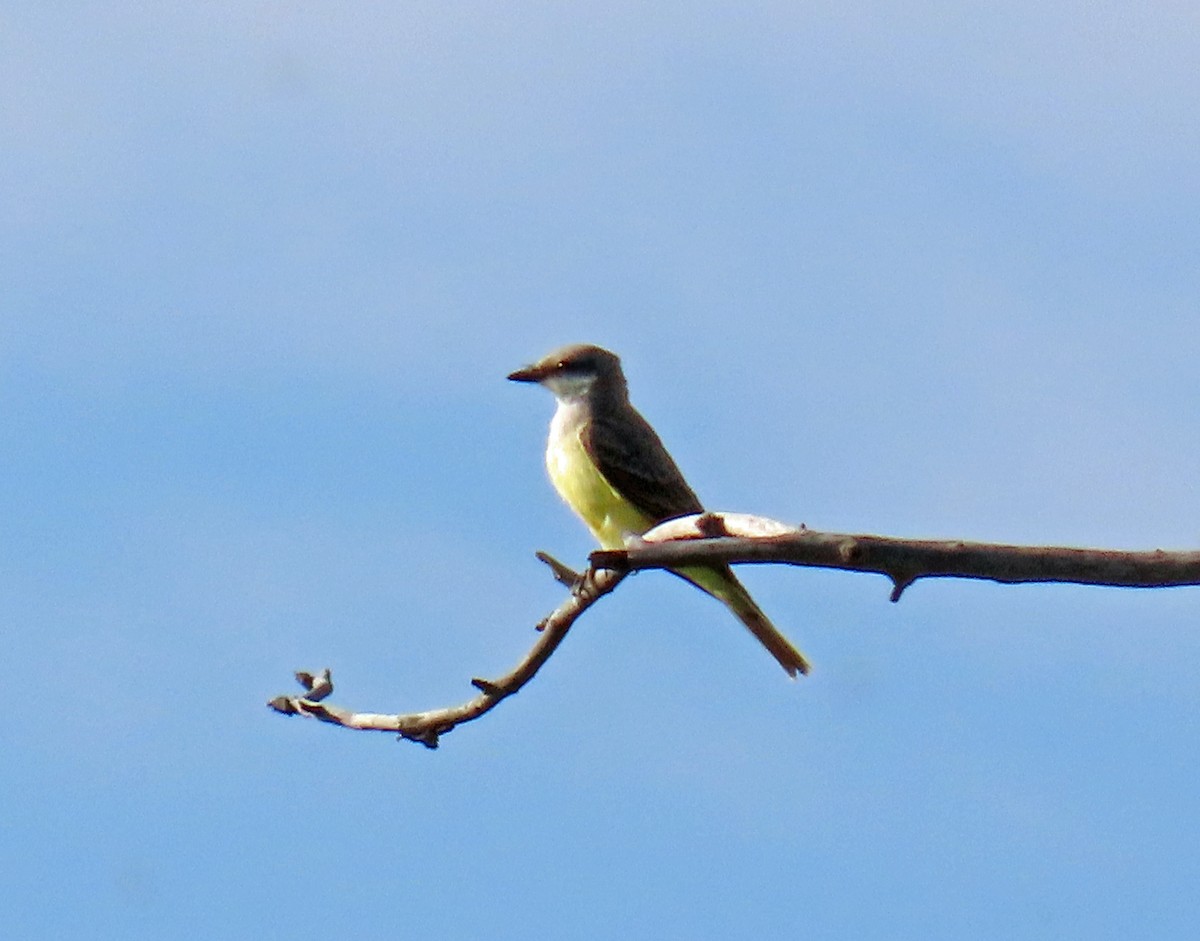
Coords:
733,538
428,727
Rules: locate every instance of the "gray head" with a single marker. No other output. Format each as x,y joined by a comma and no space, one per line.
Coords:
575,372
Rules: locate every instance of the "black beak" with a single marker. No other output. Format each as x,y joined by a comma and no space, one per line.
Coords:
528,374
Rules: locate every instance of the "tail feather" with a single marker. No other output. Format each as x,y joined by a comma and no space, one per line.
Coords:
722,584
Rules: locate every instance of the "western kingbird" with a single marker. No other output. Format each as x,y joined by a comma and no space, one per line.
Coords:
610,467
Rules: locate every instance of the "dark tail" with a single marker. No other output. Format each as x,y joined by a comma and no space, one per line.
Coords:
722,584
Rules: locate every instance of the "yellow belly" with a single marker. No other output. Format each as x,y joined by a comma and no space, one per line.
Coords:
607,514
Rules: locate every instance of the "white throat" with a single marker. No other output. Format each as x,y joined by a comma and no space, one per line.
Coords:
570,415
568,389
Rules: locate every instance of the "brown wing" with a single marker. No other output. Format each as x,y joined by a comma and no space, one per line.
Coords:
632,458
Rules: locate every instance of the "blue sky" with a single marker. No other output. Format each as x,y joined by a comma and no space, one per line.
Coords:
919,269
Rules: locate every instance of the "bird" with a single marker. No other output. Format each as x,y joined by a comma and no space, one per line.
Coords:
610,467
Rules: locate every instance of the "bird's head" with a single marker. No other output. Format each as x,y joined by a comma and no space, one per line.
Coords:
576,372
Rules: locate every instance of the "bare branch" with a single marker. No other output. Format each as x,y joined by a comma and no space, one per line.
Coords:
734,538
428,727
